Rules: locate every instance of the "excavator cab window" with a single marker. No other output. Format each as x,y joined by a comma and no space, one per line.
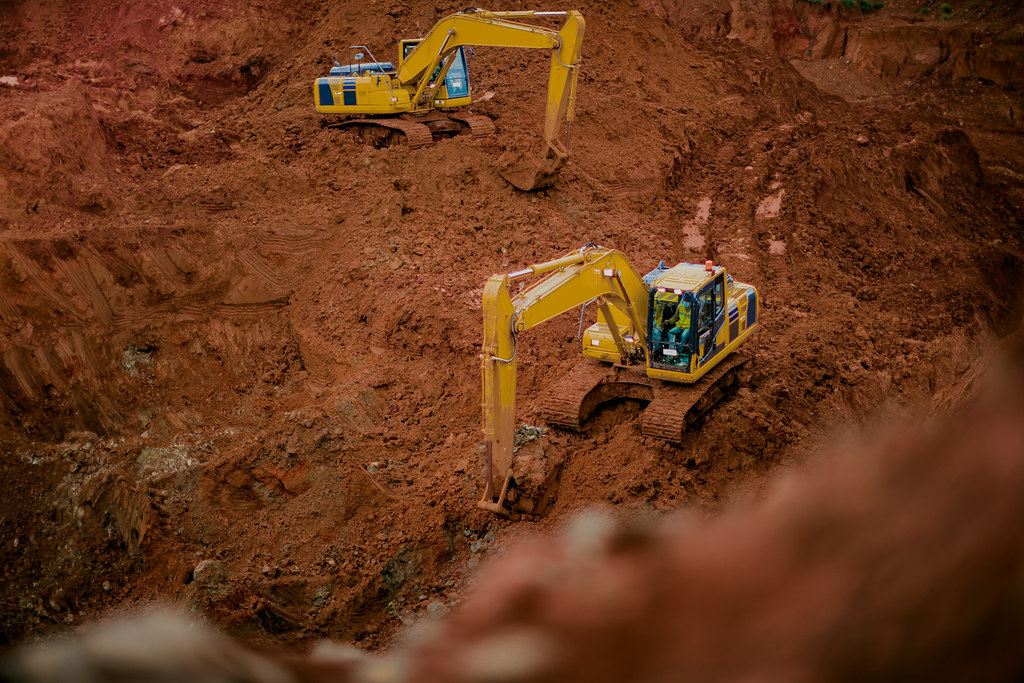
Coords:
670,322
407,47
457,79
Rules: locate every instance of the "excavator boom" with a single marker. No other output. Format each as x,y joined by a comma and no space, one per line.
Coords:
573,280
482,28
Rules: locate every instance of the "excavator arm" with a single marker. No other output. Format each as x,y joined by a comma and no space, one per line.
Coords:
573,280
497,29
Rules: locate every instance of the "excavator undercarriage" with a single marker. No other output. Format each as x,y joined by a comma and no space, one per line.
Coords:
671,407
417,131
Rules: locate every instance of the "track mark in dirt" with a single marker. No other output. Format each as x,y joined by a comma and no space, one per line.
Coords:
50,368
253,311
9,311
161,268
693,239
16,359
76,272
261,268
71,359
203,313
290,241
771,206
84,352
33,272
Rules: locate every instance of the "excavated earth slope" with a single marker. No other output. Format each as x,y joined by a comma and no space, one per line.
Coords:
239,349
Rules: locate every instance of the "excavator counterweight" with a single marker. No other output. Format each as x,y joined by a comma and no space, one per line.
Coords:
666,338
433,75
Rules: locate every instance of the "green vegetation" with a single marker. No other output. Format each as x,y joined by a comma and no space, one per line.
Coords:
945,10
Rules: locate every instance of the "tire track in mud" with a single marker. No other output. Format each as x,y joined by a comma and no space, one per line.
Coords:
34,273
77,272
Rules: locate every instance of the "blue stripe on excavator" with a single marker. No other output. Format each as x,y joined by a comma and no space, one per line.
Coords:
326,96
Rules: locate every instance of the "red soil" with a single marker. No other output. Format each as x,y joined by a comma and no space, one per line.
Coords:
229,332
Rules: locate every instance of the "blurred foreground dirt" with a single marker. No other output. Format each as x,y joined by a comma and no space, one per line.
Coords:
899,560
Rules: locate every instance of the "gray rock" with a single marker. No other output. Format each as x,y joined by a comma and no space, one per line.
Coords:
210,574
436,609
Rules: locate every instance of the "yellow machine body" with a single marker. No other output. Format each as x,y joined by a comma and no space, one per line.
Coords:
673,324
433,71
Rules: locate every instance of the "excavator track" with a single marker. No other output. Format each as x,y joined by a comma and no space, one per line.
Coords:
562,404
570,402
423,131
416,134
479,126
671,409
676,406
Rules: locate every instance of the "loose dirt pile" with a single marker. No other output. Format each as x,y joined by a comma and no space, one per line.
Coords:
233,335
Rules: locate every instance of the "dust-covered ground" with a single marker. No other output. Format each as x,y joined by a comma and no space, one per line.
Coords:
238,341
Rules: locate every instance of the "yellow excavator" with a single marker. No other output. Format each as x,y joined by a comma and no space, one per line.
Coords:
433,74
669,337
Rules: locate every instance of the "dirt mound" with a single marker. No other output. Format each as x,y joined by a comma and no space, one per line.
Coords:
254,339
54,151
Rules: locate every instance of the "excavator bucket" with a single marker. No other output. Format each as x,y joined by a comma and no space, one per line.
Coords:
535,174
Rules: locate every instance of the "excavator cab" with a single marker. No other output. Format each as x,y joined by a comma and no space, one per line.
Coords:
456,78
670,317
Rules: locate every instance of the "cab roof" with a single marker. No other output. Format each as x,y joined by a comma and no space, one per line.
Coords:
686,276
